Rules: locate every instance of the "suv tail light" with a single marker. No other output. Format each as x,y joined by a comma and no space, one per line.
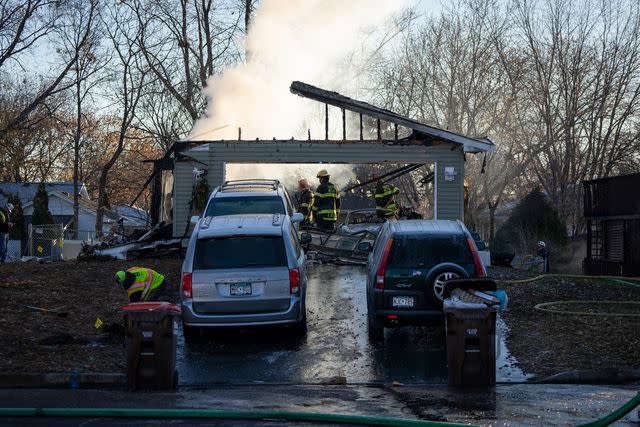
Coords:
294,280
383,265
480,271
187,285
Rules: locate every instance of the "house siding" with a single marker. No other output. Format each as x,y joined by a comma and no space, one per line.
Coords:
183,187
450,203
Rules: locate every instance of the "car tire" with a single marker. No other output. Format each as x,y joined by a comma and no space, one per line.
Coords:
190,332
375,330
300,328
437,279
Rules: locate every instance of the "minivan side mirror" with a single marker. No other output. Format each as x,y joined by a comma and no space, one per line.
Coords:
305,238
297,217
195,219
365,246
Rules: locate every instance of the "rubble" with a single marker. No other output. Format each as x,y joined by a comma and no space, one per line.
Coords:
155,243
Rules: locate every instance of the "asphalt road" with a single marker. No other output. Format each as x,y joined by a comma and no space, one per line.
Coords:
336,344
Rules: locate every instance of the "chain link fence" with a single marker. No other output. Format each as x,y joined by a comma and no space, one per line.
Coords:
46,241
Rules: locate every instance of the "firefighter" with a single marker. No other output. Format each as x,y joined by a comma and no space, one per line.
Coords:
326,206
386,206
306,201
142,284
5,225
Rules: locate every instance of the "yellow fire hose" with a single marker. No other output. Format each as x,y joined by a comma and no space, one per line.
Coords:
546,306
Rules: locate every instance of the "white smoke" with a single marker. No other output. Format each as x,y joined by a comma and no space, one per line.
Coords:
314,41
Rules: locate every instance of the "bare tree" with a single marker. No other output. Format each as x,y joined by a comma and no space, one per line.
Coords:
584,85
80,41
128,83
183,44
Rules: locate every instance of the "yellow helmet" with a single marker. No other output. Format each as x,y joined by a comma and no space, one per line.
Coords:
322,173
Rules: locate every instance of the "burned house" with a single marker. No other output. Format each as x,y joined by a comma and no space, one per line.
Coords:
442,150
612,211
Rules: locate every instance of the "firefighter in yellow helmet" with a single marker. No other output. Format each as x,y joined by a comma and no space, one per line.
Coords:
142,284
306,200
326,206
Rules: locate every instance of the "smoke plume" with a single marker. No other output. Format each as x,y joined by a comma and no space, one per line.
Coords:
321,42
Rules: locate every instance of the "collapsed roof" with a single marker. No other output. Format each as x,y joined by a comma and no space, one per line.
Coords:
471,145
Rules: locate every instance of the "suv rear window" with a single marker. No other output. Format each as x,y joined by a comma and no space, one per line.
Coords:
425,252
245,205
239,252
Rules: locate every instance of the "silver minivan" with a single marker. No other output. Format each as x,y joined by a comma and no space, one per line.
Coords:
243,270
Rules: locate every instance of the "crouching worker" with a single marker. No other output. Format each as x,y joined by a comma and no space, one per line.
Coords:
142,284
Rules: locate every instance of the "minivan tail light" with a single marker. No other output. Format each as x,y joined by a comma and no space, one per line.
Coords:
382,269
294,280
187,287
480,271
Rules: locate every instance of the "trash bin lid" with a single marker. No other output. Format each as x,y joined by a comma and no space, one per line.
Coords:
152,306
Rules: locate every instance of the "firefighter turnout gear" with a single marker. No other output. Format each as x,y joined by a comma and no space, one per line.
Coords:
326,205
142,284
386,206
306,205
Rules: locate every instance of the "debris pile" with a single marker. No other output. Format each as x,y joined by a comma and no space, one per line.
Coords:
155,243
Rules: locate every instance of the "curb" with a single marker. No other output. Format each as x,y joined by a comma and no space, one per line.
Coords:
61,380
599,376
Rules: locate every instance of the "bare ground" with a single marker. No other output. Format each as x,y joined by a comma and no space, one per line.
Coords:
34,342
548,343
39,342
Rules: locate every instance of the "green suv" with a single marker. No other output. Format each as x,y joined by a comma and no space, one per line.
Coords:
408,266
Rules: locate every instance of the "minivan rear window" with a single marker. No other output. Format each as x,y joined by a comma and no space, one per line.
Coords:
239,252
245,205
425,252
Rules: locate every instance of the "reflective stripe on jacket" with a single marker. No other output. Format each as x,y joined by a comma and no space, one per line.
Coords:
384,198
327,202
306,204
145,281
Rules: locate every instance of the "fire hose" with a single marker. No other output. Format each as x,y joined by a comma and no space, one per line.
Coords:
547,306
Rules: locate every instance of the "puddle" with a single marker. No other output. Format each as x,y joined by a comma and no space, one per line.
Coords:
507,369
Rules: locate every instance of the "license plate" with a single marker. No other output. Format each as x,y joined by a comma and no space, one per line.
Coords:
240,289
402,302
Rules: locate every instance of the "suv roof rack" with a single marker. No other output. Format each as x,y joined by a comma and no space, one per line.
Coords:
270,183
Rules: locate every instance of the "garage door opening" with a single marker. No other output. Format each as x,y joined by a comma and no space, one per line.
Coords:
415,182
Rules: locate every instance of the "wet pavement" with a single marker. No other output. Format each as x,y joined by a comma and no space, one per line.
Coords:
508,405
336,345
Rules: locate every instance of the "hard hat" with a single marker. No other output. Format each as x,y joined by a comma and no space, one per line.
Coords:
303,183
541,244
120,276
9,207
322,173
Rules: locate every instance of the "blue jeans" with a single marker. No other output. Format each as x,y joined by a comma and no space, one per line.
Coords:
4,240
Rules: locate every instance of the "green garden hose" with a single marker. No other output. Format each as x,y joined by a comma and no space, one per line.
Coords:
621,280
222,415
615,415
543,307
268,415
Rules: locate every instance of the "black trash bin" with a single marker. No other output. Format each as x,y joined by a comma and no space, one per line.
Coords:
471,337
151,345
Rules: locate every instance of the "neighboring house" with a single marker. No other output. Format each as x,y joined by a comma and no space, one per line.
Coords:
132,218
60,205
612,211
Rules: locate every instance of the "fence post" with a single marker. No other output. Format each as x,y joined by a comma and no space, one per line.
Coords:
30,239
